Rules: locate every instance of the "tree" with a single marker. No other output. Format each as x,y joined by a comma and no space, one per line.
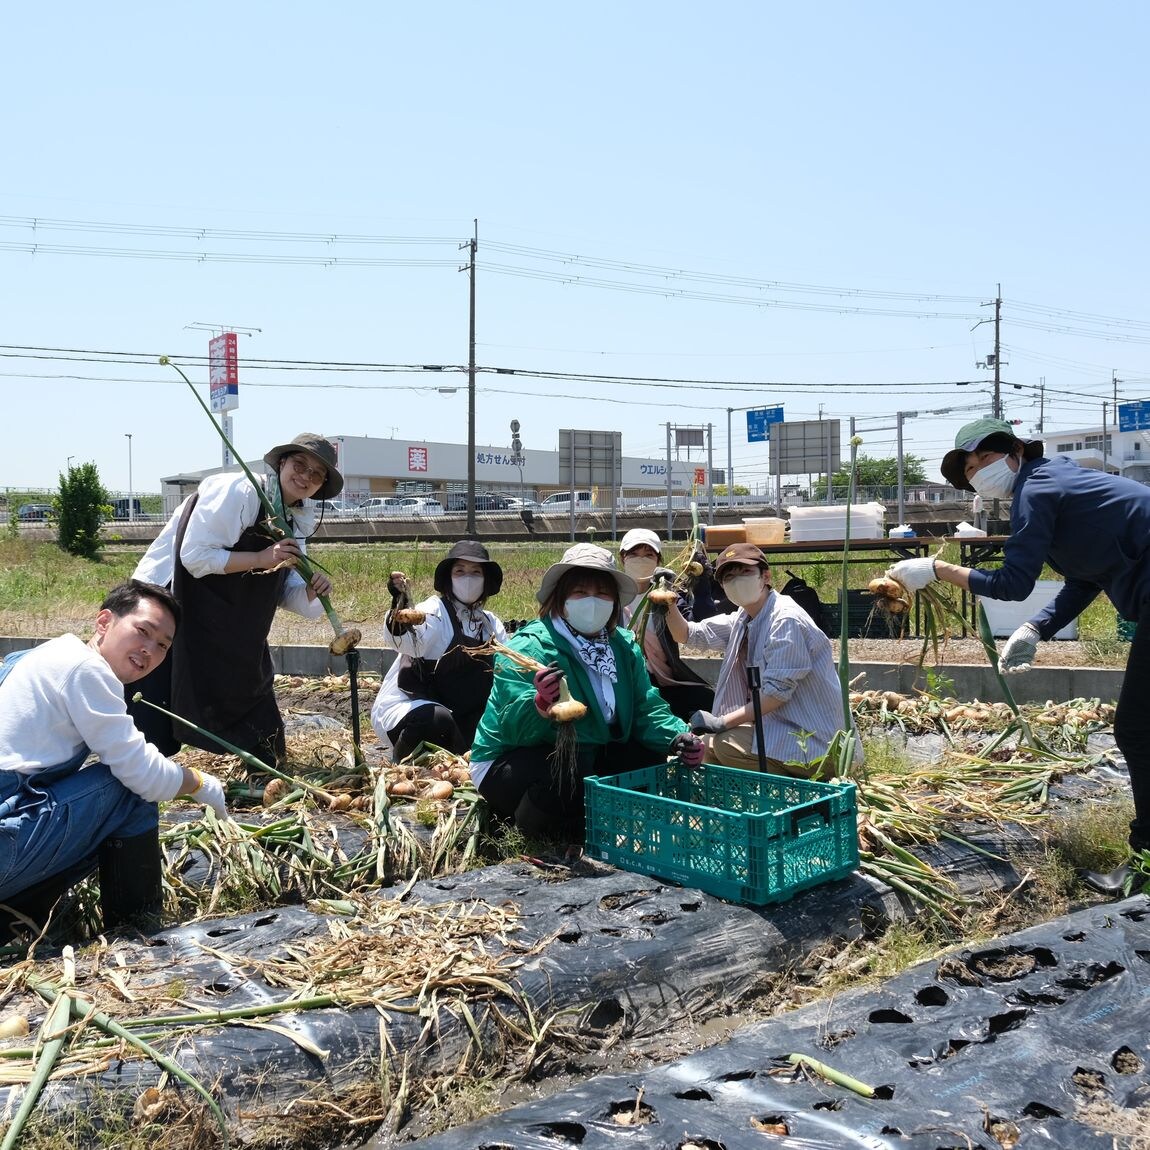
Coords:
82,505
874,477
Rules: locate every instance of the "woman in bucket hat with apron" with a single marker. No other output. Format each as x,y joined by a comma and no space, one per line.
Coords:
229,575
435,691
1093,528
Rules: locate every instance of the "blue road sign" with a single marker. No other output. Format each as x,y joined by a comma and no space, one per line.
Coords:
1134,416
759,421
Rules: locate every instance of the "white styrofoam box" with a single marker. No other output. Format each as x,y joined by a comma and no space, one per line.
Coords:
1006,617
829,521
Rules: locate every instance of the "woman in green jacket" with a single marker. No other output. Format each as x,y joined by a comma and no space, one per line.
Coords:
527,767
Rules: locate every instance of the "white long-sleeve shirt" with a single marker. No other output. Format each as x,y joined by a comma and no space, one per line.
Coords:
431,639
228,505
63,696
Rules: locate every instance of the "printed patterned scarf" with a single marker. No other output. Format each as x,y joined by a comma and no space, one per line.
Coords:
595,652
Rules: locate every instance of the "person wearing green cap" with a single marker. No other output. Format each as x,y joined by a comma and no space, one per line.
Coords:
1093,528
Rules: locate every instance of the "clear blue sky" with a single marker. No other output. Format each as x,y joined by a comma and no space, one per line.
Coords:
762,149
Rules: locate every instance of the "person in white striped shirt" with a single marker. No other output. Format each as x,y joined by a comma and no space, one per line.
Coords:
800,696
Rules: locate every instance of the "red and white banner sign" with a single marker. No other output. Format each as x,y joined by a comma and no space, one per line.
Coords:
417,459
224,372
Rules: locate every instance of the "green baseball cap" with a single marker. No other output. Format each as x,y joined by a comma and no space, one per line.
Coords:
968,439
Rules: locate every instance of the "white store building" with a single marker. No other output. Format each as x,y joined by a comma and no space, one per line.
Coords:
409,467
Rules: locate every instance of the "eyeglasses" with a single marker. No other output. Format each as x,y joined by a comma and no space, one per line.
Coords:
304,470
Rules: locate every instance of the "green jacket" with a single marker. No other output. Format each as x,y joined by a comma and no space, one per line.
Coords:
511,720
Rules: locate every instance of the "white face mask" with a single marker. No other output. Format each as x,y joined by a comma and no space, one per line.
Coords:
588,616
640,566
467,588
743,590
995,480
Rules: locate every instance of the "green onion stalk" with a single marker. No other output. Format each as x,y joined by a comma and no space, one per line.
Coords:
846,748
247,757
345,638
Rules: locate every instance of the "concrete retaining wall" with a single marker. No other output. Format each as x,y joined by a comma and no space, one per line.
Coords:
969,682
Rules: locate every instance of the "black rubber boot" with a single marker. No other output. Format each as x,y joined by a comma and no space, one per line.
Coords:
531,820
35,903
1107,882
131,881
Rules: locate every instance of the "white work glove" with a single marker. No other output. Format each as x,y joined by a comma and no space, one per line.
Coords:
210,792
913,574
1020,650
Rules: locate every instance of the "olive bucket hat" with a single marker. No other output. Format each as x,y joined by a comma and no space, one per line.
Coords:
991,434
321,450
589,557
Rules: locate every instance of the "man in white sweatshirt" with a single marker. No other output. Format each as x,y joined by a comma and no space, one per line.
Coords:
61,816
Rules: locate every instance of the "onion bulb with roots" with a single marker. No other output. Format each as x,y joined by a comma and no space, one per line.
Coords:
567,709
890,595
407,617
662,595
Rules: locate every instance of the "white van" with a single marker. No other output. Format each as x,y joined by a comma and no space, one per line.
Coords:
560,503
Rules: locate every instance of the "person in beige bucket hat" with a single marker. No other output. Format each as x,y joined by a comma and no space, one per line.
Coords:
230,574
518,759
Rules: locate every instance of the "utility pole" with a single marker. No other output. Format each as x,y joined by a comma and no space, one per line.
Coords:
471,245
1041,404
998,354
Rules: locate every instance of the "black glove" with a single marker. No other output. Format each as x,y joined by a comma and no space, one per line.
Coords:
689,748
704,723
662,573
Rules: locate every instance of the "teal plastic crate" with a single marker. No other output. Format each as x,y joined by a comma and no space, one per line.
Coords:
747,837
1126,628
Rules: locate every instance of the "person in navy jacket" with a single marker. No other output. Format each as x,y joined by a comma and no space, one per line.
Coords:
1093,528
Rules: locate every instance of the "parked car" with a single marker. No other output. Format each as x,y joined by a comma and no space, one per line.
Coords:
456,502
420,507
519,502
560,503
127,509
400,507
31,512
379,507
335,508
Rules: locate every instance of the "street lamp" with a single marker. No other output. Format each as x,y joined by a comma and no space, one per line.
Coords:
131,501
69,462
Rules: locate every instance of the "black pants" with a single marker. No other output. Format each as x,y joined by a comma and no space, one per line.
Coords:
431,723
522,785
1132,728
685,700
156,727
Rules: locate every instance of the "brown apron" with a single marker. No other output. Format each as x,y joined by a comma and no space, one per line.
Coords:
222,673
461,682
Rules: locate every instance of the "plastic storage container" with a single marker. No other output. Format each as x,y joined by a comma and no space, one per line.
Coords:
764,532
1005,618
744,836
814,524
864,621
723,535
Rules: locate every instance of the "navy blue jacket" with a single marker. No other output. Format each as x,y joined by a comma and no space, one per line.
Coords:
1091,527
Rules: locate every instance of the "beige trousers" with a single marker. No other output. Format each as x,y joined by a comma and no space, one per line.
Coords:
735,748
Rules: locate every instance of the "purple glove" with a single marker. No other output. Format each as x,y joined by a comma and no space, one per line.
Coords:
547,687
690,749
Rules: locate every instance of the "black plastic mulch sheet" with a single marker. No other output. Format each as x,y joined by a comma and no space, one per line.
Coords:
633,954
1006,1044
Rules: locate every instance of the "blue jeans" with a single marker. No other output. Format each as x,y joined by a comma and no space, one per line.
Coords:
53,822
